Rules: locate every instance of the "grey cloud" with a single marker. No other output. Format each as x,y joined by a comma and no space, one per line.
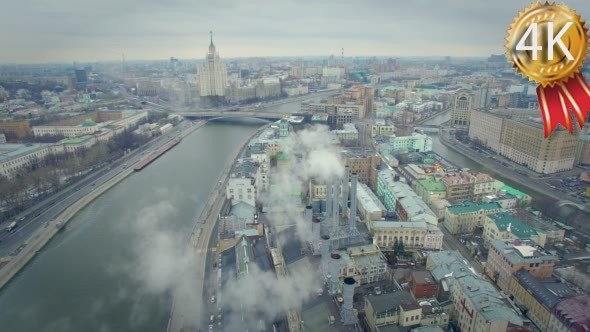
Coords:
37,31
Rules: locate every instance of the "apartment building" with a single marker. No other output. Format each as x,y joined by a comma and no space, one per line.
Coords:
538,296
243,182
523,141
464,185
505,257
363,162
479,306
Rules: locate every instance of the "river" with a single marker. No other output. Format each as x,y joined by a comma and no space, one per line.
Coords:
103,272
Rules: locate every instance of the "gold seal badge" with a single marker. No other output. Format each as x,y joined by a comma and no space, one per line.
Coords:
547,43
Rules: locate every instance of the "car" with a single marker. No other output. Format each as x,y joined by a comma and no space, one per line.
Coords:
210,327
212,299
377,290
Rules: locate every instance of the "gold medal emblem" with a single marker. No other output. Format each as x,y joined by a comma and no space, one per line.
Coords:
559,40
548,43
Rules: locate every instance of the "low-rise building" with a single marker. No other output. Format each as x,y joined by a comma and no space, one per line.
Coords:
369,206
88,127
464,218
571,315
537,296
444,265
423,285
504,225
348,134
412,234
369,264
505,257
413,173
382,128
414,143
15,158
392,308
242,184
431,188
467,186
479,306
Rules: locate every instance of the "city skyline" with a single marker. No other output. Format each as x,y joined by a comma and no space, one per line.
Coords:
63,31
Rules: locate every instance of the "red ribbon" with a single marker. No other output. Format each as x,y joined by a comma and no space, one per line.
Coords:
557,101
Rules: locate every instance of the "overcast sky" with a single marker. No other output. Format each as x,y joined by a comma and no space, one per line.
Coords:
67,30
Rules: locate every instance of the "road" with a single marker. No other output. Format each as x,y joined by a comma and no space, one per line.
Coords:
452,243
45,211
533,182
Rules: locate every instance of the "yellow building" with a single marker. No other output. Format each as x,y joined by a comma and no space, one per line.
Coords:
537,296
19,128
392,308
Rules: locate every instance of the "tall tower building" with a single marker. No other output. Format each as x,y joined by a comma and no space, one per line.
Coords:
212,74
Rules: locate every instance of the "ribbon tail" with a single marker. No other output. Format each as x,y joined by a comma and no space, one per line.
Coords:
553,109
577,95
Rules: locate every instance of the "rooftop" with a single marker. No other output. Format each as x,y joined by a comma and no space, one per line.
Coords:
433,185
521,251
574,312
9,151
548,291
389,301
486,300
423,277
244,168
507,222
244,256
399,224
368,199
76,140
513,191
470,207
447,263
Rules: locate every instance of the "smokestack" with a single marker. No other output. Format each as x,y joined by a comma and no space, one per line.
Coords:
328,199
352,213
335,198
335,273
344,201
308,214
315,230
346,313
325,253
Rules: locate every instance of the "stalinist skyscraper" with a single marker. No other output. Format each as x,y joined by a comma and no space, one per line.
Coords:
212,76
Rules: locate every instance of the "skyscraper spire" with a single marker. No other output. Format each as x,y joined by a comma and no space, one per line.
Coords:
211,33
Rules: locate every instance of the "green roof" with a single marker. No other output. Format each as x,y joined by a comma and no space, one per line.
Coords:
281,155
467,207
75,140
88,123
514,192
431,184
517,227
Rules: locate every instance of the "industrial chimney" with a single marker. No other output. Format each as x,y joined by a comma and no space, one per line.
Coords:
325,253
328,199
344,201
334,273
315,229
346,312
335,199
352,213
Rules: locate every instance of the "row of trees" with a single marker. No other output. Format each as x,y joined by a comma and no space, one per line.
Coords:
50,174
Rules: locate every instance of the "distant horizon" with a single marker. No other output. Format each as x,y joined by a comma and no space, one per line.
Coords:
291,57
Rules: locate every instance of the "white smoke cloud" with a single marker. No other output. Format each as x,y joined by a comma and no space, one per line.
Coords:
310,155
164,263
260,296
